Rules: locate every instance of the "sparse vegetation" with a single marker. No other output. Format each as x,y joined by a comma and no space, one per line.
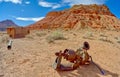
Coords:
118,39
56,35
4,38
40,34
103,35
88,35
50,39
29,36
105,39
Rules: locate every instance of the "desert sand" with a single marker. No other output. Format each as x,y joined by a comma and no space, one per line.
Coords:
33,56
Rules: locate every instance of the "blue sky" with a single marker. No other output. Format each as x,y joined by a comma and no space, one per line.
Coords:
25,12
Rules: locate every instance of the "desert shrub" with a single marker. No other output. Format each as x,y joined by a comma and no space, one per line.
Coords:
50,39
4,38
40,34
103,35
56,35
105,39
29,36
88,35
118,39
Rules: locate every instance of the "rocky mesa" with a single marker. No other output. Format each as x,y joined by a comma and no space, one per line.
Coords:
79,16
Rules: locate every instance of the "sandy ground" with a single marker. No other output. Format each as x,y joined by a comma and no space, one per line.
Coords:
33,57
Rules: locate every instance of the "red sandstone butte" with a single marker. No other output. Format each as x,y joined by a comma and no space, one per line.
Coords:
79,16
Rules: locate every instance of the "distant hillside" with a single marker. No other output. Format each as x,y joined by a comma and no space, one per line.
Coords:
79,16
6,23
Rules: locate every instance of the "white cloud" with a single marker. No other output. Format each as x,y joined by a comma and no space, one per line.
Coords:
29,19
13,1
48,4
56,6
27,2
73,2
44,3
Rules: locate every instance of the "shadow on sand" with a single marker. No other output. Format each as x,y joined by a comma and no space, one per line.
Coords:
86,71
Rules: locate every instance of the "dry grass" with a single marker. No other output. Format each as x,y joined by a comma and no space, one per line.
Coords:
105,39
29,36
40,34
118,39
103,35
34,34
56,35
88,35
4,38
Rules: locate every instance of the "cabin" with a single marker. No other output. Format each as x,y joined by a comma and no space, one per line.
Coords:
17,32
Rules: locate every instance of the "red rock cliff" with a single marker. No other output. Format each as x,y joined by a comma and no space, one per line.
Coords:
79,16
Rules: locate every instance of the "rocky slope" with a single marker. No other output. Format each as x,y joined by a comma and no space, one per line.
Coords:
6,23
79,16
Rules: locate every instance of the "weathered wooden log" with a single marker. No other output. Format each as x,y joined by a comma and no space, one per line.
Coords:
9,46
